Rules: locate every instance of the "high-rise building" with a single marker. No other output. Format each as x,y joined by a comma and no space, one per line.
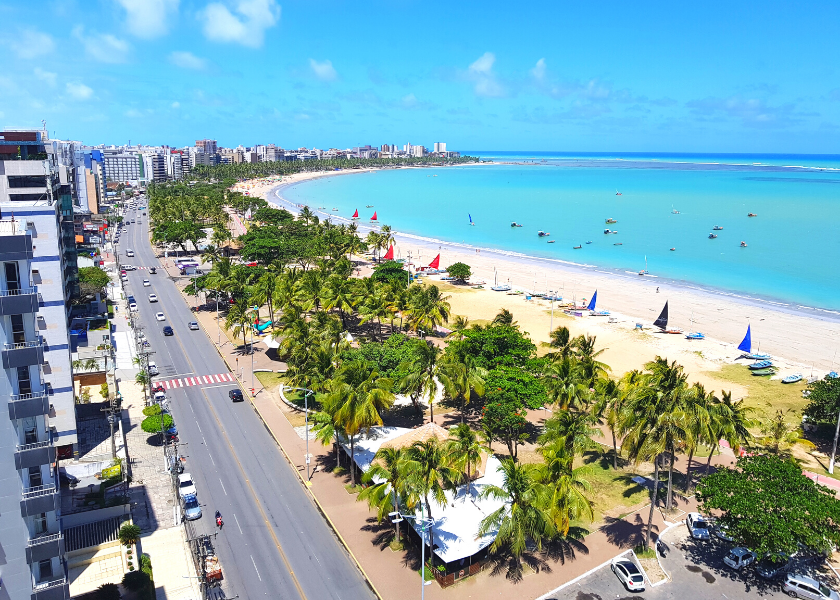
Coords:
124,167
418,151
207,146
38,426
440,147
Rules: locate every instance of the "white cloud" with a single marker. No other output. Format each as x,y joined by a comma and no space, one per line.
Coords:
247,26
31,43
409,101
176,105
133,113
46,76
481,72
187,60
103,47
148,18
538,72
79,91
323,70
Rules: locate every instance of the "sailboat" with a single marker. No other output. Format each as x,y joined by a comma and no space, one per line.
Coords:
695,335
373,218
662,321
496,287
591,307
645,271
674,211
390,254
746,347
355,215
471,221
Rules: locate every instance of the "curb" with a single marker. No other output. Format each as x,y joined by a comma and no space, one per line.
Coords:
297,472
546,596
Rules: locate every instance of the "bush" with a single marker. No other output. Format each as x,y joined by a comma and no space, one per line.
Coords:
136,581
153,424
151,411
129,534
146,565
107,591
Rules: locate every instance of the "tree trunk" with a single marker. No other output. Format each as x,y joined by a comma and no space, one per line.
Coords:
709,461
615,452
688,470
669,498
653,500
463,406
431,535
352,462
396,509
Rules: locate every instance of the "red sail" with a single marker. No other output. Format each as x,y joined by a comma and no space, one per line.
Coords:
356,214
373,218
435,264
390,254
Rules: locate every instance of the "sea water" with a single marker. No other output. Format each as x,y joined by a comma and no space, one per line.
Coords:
793,245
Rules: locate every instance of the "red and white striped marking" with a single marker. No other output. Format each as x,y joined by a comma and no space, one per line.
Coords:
198,380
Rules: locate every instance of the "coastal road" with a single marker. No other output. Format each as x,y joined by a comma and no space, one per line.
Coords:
275,543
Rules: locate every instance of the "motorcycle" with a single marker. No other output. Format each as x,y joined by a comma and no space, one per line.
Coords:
219,522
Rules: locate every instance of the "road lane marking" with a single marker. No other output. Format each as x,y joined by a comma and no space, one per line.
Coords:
255,567
223,487
213,387
237,524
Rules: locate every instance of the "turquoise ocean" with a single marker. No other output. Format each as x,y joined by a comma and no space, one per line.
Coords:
793,245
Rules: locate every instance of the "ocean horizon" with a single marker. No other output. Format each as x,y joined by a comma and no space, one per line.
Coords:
658,200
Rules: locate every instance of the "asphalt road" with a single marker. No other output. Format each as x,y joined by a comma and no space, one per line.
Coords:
275,543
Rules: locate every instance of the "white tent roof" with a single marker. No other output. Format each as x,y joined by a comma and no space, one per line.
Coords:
456,523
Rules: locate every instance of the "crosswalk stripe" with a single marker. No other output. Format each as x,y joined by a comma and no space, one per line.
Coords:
197,380
207,379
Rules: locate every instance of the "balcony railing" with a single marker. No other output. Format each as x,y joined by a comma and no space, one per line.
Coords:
38,491
44,539
22,397
46,585
34,446
22,345
19,291
22,406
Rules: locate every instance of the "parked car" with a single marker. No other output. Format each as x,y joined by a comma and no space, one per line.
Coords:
124,277
236,395
160,316
153,298
160,396
158,388
186,487
773,567
698,526
132,307
739,557
168,330
628,574
153,370
146,283
802,586
722,532
192,510
193,325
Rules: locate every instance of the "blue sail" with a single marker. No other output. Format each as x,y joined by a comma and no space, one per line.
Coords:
592,302
746,343
470,216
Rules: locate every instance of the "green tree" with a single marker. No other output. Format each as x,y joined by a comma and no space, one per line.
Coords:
461,380
386,478
129,534
390,271
504,417
460,271
770,506
156,423
779,437
493,346
465,449
823,400
92,281
516,382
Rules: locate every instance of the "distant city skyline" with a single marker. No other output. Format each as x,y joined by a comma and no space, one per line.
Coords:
544,76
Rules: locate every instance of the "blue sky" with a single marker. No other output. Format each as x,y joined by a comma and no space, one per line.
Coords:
585,76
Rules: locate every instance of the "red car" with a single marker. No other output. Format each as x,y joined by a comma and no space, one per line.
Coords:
158,388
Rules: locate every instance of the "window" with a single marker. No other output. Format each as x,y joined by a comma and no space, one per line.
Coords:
18,333
30,431
45,571
35,478
27,197
40,523
24,382
27,181
12,276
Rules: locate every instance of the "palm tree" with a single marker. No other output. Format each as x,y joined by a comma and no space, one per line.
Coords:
386,474
611,396
458,326
524,515
143,379
263,291
239,318
419,379
210,254
573,430
731,421
699,406
460,380
778,437
307,216
374,241
428,474
310,289
386,236
567,486
465,448
561,340
429,308
505,317
338,293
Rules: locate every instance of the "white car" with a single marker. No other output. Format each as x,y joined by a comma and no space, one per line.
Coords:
129,252
124,277
160,397
739,557
153,370
160,316
628,574
146,283
698,526
152,297
132,307
801,586
129,268
186,487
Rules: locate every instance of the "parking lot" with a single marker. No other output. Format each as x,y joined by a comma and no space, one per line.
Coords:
697,573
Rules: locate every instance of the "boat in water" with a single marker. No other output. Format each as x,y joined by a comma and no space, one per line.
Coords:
673,249
609,221
617,193
717,228
792,378
589,242
515,224
551,241
471,221
335,210
578,247
743,244
760,364
608,231
645,270
712,236
369,206
373,218
618,244
355,215
542,233
752,215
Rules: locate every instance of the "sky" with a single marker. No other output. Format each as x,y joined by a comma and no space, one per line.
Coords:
717,77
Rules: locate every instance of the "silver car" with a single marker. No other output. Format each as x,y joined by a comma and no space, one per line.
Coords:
802,586
698,526
192,510
629,575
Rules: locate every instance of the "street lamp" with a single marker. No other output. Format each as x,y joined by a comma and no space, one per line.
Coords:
397,517
306,393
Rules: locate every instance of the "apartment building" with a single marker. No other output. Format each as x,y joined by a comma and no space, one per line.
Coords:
38,426
124,166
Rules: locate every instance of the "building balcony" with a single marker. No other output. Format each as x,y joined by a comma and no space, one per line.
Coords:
44,547
34,455
22,406
56,589
20,301
24,354
40,499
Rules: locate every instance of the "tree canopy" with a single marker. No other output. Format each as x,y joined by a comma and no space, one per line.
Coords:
460,271
390,271
495,345
824,400
92,280
770,506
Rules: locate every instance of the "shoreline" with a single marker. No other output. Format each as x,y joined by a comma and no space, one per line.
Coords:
796,336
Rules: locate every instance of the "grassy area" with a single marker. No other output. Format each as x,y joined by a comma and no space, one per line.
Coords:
270,381
448,288
765,395
613,493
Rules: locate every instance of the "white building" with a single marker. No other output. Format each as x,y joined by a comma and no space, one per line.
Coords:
440,147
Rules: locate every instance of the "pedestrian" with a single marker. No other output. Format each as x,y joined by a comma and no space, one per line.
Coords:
657,290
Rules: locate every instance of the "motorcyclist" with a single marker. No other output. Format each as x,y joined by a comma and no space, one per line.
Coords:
219,521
